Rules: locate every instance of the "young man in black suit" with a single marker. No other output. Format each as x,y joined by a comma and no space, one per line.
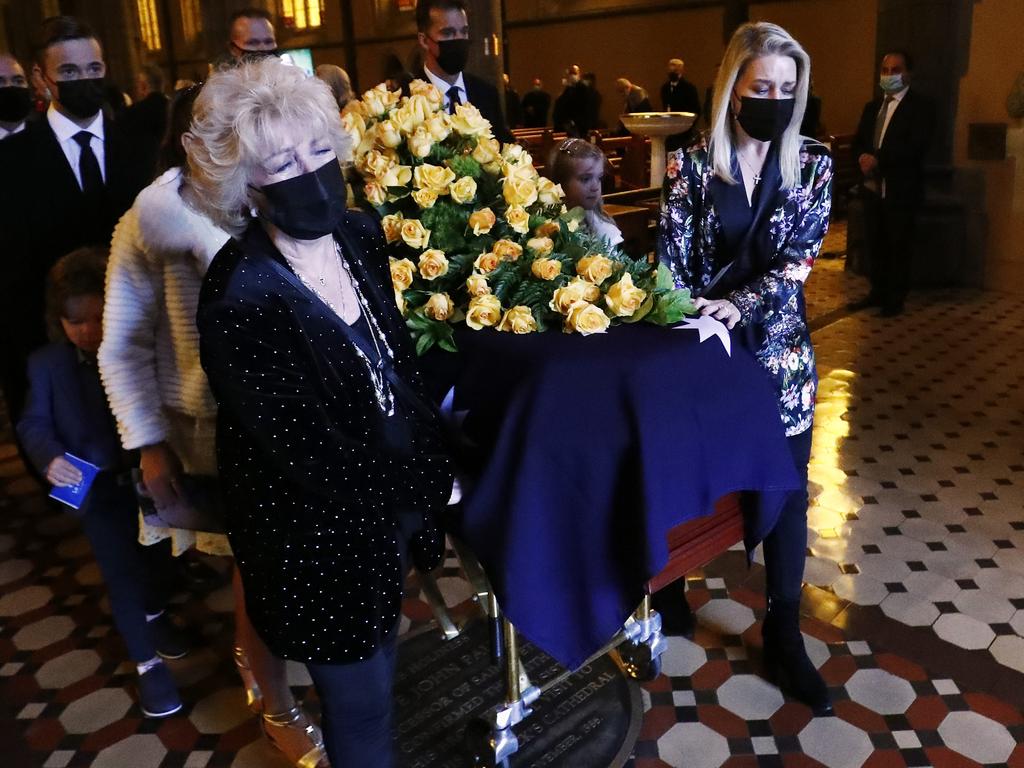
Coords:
68,178
890,146
444,37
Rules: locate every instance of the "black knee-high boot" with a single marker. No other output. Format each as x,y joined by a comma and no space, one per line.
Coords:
677,620
785,657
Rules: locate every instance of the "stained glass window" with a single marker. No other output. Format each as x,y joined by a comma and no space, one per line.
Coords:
302,14
149,24
191,20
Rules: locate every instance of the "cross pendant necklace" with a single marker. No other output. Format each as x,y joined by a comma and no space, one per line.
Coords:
756,174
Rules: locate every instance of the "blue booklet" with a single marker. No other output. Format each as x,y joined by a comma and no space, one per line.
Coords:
74,495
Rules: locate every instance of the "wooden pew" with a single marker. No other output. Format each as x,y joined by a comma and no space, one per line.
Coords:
538,142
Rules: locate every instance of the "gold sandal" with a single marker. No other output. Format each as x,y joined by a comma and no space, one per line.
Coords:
275,728
253,694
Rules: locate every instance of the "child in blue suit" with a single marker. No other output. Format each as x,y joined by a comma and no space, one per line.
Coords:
67,411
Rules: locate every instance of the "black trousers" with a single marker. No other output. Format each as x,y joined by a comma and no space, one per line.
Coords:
786,546
890,226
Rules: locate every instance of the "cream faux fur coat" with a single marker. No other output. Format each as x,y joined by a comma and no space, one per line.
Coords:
149,359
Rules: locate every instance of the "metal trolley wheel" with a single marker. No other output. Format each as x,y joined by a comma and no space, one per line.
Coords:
637,661
479,741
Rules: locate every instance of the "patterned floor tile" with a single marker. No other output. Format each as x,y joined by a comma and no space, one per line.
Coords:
916,527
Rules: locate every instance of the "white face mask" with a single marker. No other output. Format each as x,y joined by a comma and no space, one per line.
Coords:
891,83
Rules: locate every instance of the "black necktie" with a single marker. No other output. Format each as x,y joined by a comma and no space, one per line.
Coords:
88,166
453,99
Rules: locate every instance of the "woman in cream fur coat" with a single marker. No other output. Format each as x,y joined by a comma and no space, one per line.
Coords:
158,392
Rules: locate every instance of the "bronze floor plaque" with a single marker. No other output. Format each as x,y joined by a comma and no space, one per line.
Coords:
592,719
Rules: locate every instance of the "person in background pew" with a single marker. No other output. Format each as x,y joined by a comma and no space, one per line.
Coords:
536,105
579,167
513,105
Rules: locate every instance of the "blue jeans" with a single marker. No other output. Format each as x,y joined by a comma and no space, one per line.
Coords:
785,547
136,576
356,703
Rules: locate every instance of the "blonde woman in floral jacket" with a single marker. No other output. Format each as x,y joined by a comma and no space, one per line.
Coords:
744,213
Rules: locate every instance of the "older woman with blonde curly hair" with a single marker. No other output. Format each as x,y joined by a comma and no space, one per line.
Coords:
328,447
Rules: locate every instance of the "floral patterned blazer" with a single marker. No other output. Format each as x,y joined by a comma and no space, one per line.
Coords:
692,243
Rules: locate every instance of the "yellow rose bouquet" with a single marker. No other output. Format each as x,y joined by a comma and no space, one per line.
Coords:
477,236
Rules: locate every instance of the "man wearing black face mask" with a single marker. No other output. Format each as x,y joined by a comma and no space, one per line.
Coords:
250,36
15,97
444,38
72,175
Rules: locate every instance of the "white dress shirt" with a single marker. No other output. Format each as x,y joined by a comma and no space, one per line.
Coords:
4,133
893,106
444,87
65,131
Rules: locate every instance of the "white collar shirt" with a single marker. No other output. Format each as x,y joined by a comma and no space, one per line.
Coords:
4,133
893,106
444,87
65,130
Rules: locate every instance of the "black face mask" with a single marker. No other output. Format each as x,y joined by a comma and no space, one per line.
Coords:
245,55
81,98
309,206
765,119
15,104
452,55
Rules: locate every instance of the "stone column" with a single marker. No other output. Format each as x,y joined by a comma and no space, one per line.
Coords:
937,34
486,54
734,14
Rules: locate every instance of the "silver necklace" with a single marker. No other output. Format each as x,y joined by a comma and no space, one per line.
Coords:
322,280
381,390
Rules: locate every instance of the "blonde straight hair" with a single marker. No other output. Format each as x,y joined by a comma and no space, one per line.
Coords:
749,42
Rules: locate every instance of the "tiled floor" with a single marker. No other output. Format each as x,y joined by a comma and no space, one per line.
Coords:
915,598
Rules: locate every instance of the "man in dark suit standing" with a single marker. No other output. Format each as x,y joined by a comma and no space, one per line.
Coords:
15,97
148,115
68,178
444,37
250,35
890,146
574,106
536,104
679,95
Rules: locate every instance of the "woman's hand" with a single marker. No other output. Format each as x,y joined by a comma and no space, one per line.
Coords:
720,309
161,469
62,473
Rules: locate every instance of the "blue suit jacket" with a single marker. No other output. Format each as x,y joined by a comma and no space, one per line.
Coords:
66,410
